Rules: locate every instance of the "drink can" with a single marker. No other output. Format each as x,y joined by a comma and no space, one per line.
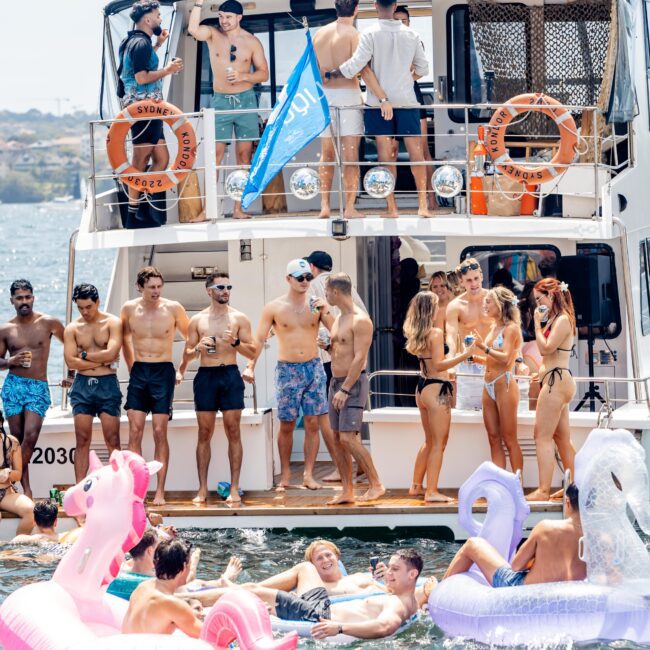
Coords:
324,338
543,310
312,306
115,364
212,348
54,495
468,340
70,376
27,363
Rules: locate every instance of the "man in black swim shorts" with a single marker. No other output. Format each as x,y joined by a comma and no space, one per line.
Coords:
216,334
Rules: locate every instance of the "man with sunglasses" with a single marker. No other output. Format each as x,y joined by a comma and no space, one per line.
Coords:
465,315
300,378
238,63
215,335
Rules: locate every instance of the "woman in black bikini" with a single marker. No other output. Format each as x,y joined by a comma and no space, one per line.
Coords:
555,331
11,470
434,391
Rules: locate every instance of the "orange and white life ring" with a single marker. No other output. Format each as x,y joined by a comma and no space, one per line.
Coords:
116,146
496,133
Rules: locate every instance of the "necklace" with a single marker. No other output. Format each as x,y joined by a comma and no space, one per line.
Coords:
299,311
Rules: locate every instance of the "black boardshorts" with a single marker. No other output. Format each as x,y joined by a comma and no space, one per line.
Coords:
151,388
311,606
218,388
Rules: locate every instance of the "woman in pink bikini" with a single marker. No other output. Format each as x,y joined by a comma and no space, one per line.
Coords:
501,392
555,331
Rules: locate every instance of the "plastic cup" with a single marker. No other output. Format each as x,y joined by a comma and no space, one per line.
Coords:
27,363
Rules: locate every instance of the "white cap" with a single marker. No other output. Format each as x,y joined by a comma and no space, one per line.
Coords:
298,267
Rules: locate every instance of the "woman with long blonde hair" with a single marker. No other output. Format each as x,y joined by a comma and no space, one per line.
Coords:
555,332
434,391
500,391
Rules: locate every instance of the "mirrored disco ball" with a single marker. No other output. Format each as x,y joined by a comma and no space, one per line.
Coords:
235,184
447,181
378,182
305,183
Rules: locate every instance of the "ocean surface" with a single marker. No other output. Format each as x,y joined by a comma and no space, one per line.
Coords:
35,240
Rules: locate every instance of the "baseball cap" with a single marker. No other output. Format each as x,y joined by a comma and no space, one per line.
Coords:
297,267
320,259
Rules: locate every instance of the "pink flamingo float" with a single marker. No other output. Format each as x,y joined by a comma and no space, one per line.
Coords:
73,611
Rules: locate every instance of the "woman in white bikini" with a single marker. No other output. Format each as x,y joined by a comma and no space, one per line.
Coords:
434,392
11,470
555,331
501,392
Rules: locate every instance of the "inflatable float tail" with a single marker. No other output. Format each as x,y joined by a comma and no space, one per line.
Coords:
242,616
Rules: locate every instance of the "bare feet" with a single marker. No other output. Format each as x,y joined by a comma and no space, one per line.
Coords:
341,498
353,213
426,213
334,477
391,214
233,569
416,490
159,499
558,495
233,498
324,212
538,495
437,497
199,500
281,487
373,493
310,483
238,213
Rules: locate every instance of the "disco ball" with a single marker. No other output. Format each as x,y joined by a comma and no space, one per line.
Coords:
379,182
235,184
447,181
305,183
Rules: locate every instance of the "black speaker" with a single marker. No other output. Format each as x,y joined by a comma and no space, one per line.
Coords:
298,6
589,278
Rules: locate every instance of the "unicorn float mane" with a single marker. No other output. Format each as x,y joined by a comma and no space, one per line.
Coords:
112,499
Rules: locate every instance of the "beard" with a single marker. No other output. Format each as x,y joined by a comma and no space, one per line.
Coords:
223,301
157,30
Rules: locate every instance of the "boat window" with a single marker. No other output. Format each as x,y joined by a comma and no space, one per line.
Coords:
645,286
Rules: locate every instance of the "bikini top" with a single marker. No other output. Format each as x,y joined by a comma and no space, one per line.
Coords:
547,333
423,365
497,344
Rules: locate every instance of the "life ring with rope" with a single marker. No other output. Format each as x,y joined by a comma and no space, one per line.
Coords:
116,146
496,133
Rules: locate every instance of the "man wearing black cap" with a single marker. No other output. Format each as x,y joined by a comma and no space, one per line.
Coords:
320,264
238,63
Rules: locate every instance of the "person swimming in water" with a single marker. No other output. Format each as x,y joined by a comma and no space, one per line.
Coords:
46,518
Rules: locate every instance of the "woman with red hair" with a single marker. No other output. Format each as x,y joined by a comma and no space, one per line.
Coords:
555,331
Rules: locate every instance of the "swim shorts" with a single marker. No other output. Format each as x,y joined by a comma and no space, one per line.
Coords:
151,388
406,121
469,389
246,125
311,606
95,395
218,388
300,385
504,576
348,120
350,417
24,394
147,132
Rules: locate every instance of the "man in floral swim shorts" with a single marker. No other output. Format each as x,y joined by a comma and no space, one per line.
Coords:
299,377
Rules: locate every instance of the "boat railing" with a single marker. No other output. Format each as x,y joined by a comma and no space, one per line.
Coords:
639,385
598,157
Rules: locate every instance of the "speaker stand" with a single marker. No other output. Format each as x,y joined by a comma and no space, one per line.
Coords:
592,393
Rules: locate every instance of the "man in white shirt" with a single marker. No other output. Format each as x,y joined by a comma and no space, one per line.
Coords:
395,54
320,264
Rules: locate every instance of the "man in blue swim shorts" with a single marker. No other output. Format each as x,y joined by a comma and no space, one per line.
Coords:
550,554
25,393
238,63
299,377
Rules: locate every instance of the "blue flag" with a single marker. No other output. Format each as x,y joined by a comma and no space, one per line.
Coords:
300,114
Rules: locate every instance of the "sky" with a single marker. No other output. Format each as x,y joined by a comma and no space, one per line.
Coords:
51,54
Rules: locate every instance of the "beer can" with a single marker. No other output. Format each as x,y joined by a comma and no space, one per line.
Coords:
54,495
212,348
468,340
28,362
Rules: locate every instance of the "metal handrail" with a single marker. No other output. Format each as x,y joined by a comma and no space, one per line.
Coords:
635,381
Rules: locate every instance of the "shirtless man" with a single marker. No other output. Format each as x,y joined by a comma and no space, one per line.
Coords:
216,334
300,378
464,315
334,44
149,324
153,608
25,393
91,346
351,338
238,63
372,618
46,517
550,554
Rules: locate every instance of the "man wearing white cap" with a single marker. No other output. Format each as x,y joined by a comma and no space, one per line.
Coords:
299,376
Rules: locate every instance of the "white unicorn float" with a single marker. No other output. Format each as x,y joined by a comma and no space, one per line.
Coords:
612,603
72,611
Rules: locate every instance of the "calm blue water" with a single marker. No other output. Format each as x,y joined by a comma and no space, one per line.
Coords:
35,246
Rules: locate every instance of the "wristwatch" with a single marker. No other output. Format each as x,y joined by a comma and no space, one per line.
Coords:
487,350
236,343
383,101
83,354
328,74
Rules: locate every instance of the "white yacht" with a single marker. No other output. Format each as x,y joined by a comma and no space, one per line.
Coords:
590,55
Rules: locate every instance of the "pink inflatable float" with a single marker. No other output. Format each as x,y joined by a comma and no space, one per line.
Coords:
73,611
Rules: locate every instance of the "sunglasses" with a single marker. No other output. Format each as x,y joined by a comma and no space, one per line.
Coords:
470,267
221,287
307,277
233,49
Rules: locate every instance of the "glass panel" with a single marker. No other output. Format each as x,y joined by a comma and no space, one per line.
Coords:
644,286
